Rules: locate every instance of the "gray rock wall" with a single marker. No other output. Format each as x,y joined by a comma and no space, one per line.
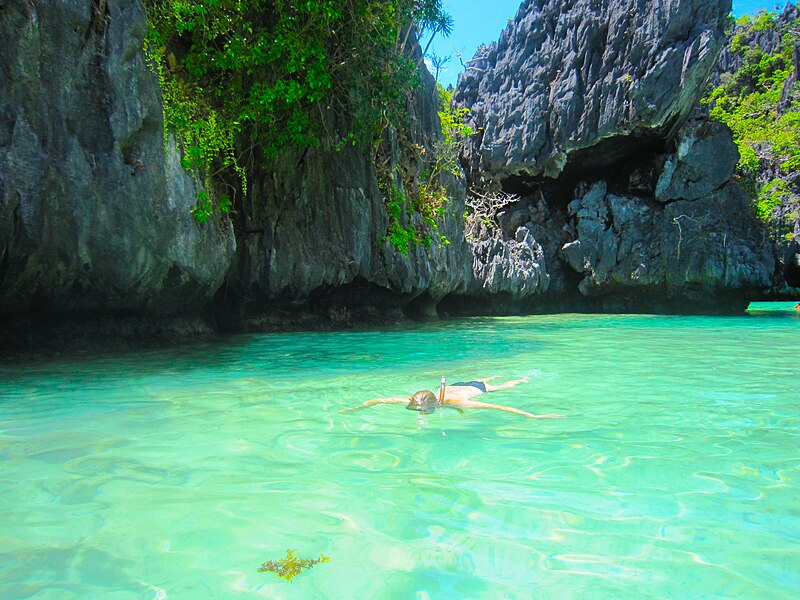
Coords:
317,224
576,99
582,109
312,235
698,252
94,207
95,210
566,75
784,220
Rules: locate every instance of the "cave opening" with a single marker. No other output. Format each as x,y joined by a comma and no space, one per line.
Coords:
630,164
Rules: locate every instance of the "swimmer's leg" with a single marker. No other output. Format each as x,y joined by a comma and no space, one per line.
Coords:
507,384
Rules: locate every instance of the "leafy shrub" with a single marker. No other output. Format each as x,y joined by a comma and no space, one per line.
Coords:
243,77
770,197
749,102
426,194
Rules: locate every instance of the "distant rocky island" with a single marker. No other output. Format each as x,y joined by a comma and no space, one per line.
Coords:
595,177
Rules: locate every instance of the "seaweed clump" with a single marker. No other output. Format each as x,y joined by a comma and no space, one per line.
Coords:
290,567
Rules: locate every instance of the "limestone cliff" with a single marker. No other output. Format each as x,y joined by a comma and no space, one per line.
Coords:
95,209
312,236
94,206
582,110
565,76
758,40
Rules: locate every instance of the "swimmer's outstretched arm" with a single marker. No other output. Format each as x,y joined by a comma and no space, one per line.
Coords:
374,401
476,404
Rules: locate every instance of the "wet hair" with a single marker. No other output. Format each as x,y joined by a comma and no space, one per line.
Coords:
423,401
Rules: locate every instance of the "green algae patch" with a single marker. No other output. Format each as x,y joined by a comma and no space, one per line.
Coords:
290,566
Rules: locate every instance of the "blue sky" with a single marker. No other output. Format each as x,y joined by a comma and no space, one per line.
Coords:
478,21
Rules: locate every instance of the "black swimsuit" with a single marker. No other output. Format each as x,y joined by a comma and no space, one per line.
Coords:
476,384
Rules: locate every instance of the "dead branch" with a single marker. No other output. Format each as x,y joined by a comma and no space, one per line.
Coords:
485,207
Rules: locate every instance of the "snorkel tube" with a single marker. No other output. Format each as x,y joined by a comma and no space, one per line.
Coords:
441,398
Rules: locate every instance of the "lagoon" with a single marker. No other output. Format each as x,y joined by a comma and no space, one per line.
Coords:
174,473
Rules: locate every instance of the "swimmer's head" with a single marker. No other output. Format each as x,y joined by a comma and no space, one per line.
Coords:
424,402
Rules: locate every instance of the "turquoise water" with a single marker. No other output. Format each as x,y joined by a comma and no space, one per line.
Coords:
176,473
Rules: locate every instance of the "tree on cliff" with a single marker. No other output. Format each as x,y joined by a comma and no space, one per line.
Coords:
243,79
759,99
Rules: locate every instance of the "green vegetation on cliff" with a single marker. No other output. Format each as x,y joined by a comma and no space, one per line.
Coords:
425,193
243,78
761,104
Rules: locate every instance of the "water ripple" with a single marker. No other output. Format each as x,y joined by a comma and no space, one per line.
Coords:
175,473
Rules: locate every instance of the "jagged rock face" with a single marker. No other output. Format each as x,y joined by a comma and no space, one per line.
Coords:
598,94
314,232
791,268
515,267
690,251
694,244
767,40
566,75
783,223
704,160
319,224
94,210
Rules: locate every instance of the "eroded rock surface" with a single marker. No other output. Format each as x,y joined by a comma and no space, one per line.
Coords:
565,76
315,234
761,37
705,158
582,110
95,211
691,251
515,267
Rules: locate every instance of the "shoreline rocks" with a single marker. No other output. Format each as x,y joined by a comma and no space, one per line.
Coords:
581,110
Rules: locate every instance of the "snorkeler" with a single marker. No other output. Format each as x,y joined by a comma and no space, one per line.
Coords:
457,396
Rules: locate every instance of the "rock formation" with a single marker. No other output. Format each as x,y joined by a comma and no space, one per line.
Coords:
566,76
695,251
313,238
95,209
582,109
94,206
769,34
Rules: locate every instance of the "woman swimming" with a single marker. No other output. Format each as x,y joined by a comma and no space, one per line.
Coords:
457,396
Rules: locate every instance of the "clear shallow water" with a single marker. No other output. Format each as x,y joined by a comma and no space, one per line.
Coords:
175,474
